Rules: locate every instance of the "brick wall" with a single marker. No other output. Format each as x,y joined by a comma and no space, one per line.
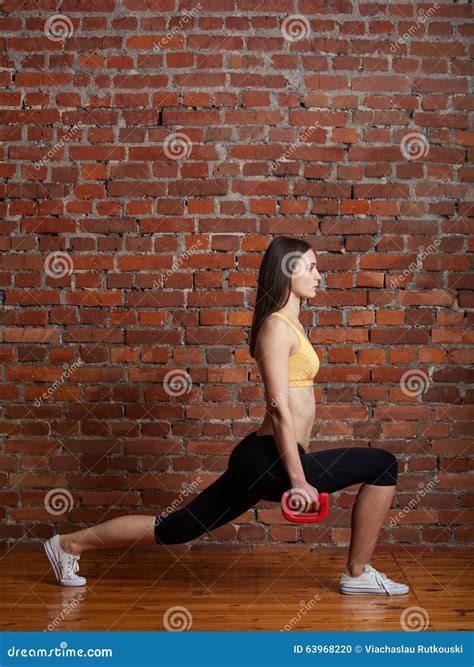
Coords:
150,152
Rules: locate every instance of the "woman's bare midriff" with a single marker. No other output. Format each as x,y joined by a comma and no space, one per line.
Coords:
302,407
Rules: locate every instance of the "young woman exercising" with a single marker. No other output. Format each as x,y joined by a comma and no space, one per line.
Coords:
276,457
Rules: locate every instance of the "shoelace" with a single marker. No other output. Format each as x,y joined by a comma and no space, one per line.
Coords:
72,566
380,578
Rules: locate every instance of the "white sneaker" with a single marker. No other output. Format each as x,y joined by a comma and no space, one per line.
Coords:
371,581
65,565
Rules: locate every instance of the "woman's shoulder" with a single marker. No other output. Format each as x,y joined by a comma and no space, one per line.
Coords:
283,318
273,322
271,330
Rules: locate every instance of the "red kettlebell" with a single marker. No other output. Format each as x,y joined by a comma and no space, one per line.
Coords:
305,517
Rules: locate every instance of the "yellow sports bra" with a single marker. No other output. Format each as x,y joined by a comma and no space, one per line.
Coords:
304,363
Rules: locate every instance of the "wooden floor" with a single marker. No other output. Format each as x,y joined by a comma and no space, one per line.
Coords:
218,587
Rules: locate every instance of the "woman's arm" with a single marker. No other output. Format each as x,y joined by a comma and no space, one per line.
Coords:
272,350
285,438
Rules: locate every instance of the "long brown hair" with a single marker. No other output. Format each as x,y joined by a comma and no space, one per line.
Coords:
274,280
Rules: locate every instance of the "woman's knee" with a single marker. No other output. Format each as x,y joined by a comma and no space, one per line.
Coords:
178,527
386,473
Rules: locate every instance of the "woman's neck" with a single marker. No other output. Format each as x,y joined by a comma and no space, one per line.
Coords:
292,308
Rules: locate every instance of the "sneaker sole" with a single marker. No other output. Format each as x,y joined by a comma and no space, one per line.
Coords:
52,560
368,591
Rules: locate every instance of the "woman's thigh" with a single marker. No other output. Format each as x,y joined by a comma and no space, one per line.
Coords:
331,470
256,463
257,467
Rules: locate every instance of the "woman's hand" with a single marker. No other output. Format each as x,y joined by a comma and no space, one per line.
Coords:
303,498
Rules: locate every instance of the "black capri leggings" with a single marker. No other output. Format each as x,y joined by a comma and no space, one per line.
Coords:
255,472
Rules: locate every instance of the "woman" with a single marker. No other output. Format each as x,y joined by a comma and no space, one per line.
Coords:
276,457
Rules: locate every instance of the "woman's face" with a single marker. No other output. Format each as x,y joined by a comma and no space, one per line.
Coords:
306,277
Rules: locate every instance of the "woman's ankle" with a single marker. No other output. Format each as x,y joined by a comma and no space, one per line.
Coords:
355,569
68,545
